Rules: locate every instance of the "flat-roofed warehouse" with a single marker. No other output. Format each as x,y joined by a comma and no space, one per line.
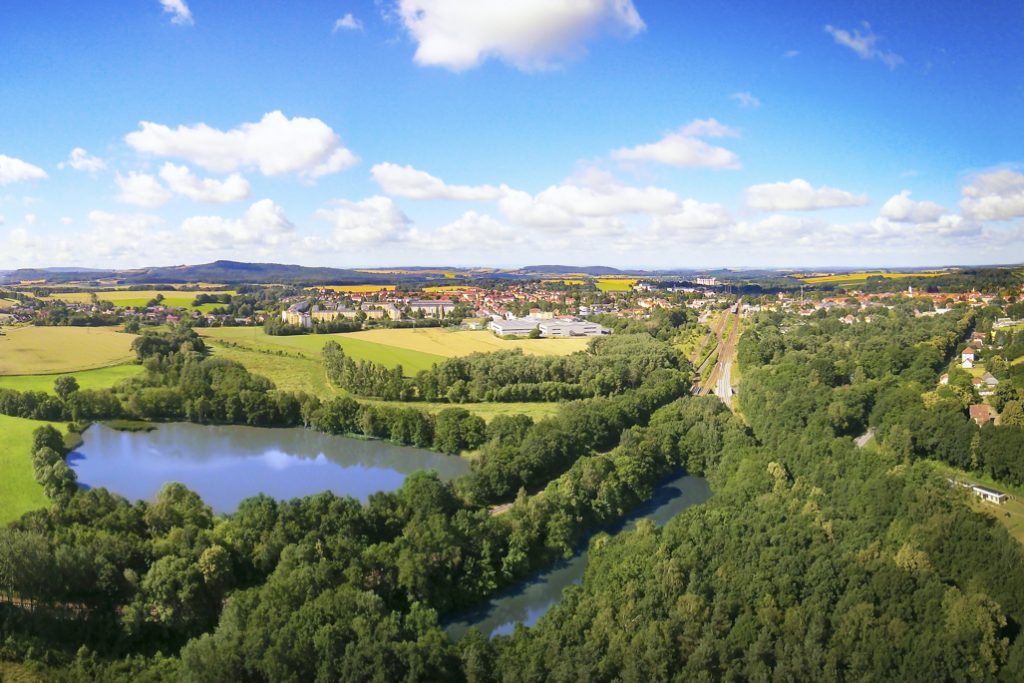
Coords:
572,328
548,328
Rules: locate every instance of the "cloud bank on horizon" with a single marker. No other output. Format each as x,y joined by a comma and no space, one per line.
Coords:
495,133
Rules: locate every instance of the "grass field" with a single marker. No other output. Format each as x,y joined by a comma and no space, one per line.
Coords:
485,410
101,378
853,278
311,345
139,298
452,343
355,288
14,672
616,284
287,372
1010,514
19,491
291,373
52,350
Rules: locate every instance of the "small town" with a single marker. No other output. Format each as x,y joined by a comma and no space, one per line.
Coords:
491,341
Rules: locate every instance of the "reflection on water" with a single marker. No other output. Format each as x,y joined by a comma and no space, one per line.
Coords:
225,464
528,601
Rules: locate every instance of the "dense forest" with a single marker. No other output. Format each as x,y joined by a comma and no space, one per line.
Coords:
816,559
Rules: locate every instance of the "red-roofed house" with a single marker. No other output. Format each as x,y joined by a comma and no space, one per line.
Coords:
980,413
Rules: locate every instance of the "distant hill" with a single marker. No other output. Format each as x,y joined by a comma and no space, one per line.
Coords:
220,272
567,270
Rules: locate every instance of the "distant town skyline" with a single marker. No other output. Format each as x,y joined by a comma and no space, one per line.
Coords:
623,133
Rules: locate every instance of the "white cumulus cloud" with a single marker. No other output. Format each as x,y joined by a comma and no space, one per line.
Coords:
529,34
576,202
264,224
685,148
745,99
181,180
348,23
374,220
81,160
472,230
179,11
994,196
409,182
800,195
865,44
903,209
276,145
15,170
141,189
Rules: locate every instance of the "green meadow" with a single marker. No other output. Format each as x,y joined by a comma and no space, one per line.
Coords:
100,378
311,346
19,491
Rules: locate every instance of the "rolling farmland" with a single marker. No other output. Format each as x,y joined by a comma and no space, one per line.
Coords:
100,378
454,343
53,350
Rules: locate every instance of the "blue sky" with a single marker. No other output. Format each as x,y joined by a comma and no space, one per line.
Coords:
427,132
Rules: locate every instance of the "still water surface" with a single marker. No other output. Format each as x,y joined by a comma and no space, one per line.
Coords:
527,602
226,464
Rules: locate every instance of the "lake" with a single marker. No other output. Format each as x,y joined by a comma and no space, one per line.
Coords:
528,601
226,464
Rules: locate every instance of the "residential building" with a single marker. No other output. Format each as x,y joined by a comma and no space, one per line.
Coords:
432,309
980,413
990,495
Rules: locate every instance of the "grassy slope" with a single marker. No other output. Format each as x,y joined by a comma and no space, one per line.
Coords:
292,373
452,343
51,350
310,345
287,372
19,491
137,298
100,378
1010,515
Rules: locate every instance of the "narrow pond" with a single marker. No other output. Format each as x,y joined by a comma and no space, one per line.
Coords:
226,464
527,602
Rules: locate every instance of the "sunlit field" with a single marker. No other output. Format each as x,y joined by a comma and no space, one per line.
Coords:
50,350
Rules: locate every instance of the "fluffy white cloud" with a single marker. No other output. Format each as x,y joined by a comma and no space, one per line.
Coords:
902,208
179,11
472,230
529,34
15,170
118,236
181,180
141,189
799,195
994,196
864,44
694,217
264,224
373,220
276,145
594,195
348,23
81,160
745,99
685,148
406,181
